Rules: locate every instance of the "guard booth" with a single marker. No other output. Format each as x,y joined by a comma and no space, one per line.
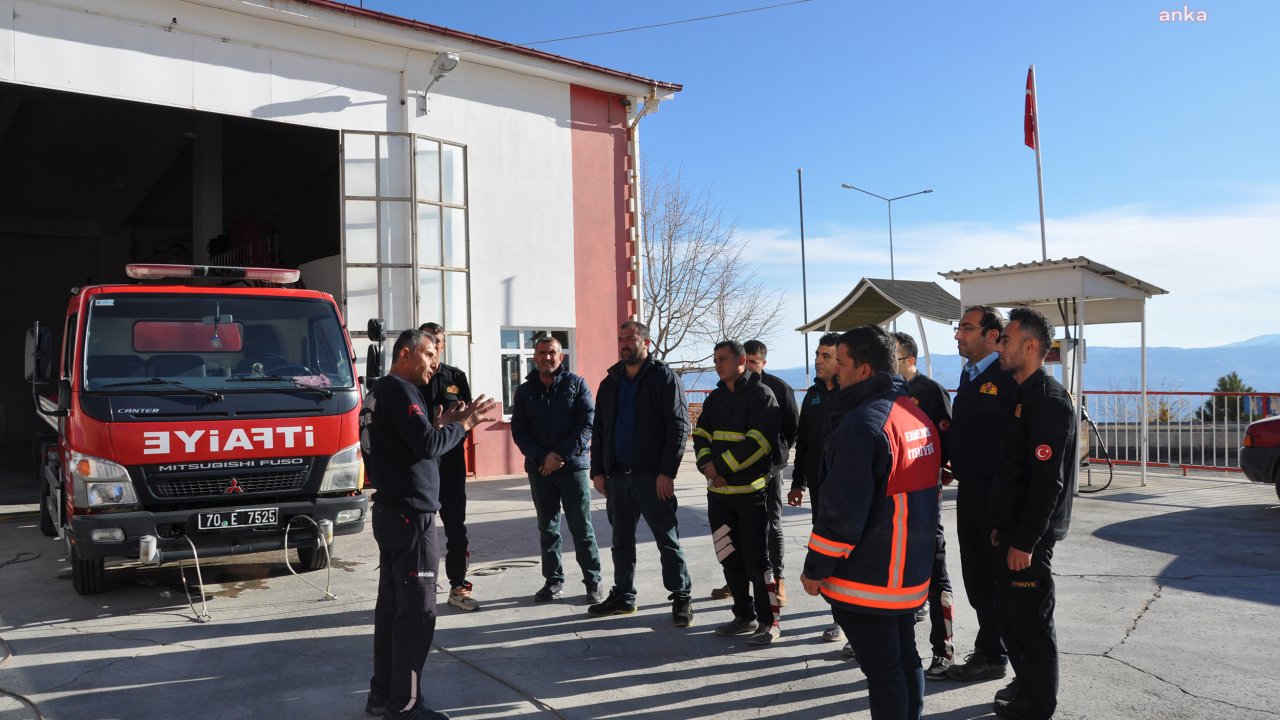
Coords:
1072,293
876,301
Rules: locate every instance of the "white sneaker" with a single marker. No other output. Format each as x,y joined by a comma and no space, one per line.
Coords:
460,597
833,634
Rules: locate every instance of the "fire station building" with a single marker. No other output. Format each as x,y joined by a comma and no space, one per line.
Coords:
415,172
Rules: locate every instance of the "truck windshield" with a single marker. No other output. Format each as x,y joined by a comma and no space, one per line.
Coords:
214,342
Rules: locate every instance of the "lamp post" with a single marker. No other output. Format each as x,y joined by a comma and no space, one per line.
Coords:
889,202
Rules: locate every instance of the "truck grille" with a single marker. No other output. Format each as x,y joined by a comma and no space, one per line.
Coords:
219,486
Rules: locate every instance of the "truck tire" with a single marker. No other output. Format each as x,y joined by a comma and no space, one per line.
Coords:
46,520
87,576
311,559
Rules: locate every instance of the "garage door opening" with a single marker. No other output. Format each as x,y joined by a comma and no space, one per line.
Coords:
89,184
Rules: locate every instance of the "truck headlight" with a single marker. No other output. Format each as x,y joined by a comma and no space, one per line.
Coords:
345,471
100,483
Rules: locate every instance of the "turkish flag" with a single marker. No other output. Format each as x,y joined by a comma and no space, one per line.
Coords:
1029,119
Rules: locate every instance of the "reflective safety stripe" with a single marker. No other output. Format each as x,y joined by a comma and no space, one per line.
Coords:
699,432
830,548
703,452
728,435
757,484
898,550
763,450
853,593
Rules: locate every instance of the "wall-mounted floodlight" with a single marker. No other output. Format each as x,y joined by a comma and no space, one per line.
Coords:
444,64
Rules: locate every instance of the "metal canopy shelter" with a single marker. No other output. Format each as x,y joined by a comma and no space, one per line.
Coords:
1067,291
876,301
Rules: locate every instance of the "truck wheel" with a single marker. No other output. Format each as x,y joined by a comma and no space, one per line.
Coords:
87,576
312,558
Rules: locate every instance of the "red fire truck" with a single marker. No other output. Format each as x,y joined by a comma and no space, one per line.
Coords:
215,417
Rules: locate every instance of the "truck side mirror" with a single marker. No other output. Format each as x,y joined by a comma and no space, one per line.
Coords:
373,363
37,363
64,398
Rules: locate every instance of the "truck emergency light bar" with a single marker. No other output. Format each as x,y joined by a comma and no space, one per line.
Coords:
278,276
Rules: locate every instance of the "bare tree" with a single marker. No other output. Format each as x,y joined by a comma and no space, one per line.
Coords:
698,288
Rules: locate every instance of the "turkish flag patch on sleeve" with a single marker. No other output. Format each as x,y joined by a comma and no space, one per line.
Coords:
1043,452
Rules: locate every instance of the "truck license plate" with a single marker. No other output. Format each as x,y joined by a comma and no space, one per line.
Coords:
227,519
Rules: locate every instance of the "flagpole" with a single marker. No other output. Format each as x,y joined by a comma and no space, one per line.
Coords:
1035,129
804,282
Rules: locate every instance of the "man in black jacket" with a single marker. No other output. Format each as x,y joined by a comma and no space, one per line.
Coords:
447,388
935,401
551,417
402,446
983,401
637,441
811,435
757,359
734,447
1030,511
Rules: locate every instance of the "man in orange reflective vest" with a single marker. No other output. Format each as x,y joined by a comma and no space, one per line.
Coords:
872,546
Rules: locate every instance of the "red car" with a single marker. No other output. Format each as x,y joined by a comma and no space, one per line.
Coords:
1260,456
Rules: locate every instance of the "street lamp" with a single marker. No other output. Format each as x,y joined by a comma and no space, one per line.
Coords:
889,202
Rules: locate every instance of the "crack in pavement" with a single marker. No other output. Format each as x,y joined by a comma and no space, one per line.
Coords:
1089,576
1136,618
1175,685
510,686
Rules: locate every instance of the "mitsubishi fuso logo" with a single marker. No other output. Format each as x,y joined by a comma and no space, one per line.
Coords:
233,488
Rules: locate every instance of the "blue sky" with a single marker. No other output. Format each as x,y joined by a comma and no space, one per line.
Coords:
1159,139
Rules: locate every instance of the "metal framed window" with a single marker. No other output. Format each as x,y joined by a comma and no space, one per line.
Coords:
406,246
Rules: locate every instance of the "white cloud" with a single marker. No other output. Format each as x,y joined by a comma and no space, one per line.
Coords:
1218,267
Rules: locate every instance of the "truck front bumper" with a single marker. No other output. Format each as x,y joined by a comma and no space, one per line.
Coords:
173,528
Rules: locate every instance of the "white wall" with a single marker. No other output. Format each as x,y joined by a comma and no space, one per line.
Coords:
218,59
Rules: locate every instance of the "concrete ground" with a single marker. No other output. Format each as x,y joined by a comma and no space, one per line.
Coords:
1167,608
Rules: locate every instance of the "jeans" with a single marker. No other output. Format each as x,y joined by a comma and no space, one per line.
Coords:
404,619
885,646
567,488
630,496
744,556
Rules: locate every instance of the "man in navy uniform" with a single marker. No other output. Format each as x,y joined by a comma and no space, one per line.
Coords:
447,388
983,400
1030,510
402,445
935,401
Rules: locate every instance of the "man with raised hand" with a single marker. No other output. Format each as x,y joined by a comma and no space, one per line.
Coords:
402,444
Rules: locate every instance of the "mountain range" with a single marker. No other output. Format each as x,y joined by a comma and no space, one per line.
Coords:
1169,369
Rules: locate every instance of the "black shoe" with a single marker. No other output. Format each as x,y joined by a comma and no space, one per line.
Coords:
1008,693
548,592
1010,710
737,626
681,611
417,713
978,666
938,669
375,705
595,594
612,605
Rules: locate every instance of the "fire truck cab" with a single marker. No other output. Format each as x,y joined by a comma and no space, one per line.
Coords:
197,420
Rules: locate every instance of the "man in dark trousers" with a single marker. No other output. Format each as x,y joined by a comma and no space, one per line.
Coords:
983,401
1030,511
734,451
447,388
637,441
871,550
757,359
811,437
935,401
551,419
402,446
